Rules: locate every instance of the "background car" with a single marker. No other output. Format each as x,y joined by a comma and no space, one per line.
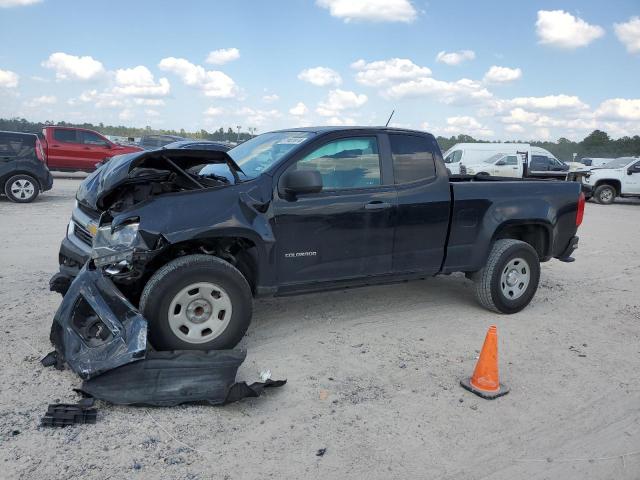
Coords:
150,142
23,170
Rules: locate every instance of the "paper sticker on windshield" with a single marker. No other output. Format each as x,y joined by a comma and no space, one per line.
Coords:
291,141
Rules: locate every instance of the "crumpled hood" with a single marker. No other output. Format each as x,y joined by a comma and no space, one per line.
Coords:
116,172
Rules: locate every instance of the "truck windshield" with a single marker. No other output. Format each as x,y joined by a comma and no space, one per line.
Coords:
262,152
618,162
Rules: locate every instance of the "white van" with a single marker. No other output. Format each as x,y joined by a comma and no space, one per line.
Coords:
507,159
477,153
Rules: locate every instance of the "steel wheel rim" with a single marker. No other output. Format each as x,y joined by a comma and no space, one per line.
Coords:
22,189
606,195
515,278
200,312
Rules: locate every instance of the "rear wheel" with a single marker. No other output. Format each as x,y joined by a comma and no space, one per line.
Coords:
197,302
605,194
21,188
509,280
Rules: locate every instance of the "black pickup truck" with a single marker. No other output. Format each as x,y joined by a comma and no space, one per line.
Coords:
190,236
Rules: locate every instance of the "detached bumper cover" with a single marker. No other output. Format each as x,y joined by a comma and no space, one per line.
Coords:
96,328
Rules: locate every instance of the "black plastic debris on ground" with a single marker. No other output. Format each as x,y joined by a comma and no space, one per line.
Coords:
65,414
171,378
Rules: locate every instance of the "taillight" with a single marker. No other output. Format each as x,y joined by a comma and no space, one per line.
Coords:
580,212
40,151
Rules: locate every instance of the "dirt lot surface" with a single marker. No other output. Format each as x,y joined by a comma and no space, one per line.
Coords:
373,377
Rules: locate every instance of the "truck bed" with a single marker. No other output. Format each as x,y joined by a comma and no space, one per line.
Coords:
485,207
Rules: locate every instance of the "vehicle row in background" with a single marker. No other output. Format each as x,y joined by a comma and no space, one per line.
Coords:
23,170
519,160
618,178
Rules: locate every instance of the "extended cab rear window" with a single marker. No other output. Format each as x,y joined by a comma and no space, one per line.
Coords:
66,136
412,158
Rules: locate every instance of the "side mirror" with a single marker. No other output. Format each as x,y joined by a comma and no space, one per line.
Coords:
300,182
500,163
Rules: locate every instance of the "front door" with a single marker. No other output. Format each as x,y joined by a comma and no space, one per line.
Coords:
95,149
346,230
631,183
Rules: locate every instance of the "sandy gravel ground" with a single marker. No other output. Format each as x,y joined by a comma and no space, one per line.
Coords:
373,377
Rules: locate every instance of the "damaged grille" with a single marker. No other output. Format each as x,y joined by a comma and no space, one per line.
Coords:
82,233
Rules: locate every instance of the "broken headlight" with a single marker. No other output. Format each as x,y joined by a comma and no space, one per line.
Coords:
114,245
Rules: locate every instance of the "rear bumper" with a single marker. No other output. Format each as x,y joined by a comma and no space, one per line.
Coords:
565,256
46,182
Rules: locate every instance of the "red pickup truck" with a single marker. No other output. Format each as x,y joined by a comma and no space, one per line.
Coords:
73,149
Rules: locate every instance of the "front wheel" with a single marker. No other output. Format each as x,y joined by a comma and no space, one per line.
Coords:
197,302
605,194
509,280
21,188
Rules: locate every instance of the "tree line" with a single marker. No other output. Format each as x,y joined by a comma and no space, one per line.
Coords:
23,125
596,144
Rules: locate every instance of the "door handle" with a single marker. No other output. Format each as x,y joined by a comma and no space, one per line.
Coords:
377,205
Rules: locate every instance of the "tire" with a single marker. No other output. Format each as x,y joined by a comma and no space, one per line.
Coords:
605,194
509,260
185,299
22,188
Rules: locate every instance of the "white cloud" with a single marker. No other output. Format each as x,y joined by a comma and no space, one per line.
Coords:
270,98
514,128
619,109
139,82
321,76
341,121
461,92
42,100
497,74
222,56
629,34
151,113
339,100
371,10
299,109
98,99
213,111
8,79
385,72
467,125
74,67
543,134
455,58
550,102
254,117
150,102
561,29
126,114
212,83
17,3
519,115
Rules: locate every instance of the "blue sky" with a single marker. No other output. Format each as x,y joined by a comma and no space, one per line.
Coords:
494,70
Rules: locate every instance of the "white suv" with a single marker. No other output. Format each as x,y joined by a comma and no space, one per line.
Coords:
618,178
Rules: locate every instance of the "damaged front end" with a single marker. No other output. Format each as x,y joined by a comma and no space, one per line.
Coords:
103,338
96,328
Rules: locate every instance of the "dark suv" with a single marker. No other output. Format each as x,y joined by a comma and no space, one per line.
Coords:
23,170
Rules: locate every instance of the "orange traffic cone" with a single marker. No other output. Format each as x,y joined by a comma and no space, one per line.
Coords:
485,381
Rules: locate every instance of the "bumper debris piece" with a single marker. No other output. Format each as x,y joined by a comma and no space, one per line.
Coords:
96,328
172,378
64,414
